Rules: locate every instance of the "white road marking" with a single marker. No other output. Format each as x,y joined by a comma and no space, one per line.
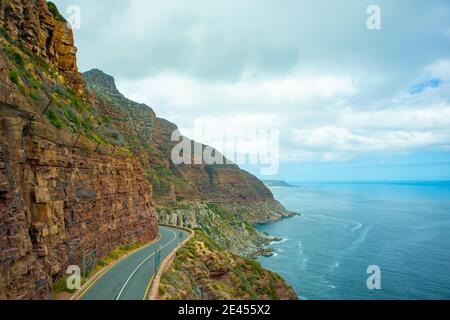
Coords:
140,265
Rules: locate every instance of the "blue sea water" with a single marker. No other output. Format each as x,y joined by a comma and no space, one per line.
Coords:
404,228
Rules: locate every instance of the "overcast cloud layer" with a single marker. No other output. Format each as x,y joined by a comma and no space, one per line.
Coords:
312,69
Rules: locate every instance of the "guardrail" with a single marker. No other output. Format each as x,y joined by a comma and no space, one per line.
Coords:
167,262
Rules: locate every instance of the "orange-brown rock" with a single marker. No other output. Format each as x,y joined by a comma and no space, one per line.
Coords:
57,203
32,25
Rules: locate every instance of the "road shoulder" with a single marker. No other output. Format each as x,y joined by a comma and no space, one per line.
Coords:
166,263
94,278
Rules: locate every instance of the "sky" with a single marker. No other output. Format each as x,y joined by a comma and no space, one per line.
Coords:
348,103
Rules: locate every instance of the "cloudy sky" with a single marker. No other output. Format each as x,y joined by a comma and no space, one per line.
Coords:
350,103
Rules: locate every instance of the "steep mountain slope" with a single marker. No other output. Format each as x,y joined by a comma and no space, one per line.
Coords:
184,193
150,139
62,193
83,168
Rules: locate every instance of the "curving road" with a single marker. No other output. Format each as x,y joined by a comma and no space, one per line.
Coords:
130,279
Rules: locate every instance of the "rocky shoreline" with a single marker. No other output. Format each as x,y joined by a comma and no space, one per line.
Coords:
224,226
265,250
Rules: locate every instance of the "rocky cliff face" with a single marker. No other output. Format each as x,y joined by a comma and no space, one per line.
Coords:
226,228
64,192
33,26
57,203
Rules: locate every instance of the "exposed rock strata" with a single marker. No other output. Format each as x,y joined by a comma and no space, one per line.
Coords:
33,26
58,203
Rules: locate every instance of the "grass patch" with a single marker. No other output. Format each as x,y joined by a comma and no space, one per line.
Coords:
96,138
60,285
34,96
87,125
35,84
255,266
14,77
72,117
5,34
52,116
14,56
55,12
116,254
18,59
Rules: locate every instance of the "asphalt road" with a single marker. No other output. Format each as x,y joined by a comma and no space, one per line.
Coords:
130,279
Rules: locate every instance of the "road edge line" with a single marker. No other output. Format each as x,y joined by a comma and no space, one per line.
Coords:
85,288
166,263
148,287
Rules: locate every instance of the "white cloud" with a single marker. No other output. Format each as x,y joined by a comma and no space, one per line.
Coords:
340,144
433,117
440,69
184,91
218,131
311,69
314,114
303,88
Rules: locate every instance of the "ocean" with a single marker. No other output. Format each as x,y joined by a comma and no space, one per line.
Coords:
403,228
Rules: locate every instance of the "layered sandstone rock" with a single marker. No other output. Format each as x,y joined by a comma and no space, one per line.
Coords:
136,122
33,26
58,203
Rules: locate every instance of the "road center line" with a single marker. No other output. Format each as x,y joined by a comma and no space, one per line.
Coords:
140,265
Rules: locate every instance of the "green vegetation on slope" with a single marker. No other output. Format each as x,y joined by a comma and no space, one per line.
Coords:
238,236
203,270
42,83
55,12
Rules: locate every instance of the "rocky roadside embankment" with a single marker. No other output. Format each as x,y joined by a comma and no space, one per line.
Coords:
202,270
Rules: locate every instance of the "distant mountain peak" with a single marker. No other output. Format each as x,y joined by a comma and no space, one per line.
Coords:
100,81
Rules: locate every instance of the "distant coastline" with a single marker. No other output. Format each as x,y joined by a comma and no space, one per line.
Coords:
277,184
